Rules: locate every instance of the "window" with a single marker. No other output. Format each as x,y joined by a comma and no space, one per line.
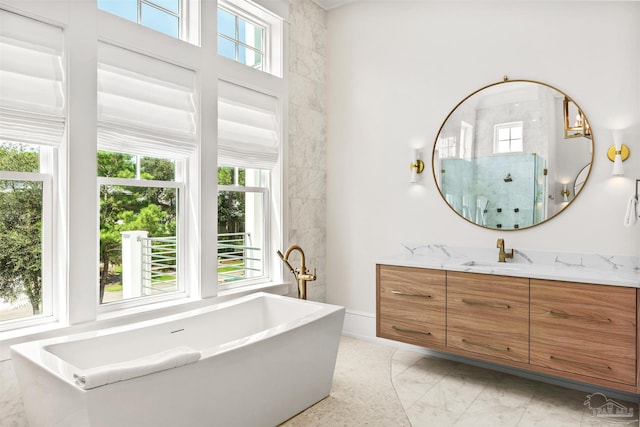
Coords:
146,138
508,138
243,196
164,16
32,125
448,147
240,39
250,35
466,140
248,165
139,225
25,232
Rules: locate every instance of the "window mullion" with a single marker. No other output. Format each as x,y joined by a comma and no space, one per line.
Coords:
22,176
237,37
242,188
130,182
162,9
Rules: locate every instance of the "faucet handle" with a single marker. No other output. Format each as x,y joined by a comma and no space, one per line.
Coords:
308,277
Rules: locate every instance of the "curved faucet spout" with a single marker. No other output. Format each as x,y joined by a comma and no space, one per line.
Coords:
286,262
291,249
301,274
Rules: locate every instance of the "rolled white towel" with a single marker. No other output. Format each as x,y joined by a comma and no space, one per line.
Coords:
107,374
631,215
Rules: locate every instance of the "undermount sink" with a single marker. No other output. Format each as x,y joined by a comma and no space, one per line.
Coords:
488,265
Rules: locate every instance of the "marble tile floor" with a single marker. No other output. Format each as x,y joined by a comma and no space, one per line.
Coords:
379,385
437,392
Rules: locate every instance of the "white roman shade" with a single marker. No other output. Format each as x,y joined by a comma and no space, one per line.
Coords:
145,105
248,127
32,87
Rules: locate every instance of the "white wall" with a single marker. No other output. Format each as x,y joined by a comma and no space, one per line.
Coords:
397,69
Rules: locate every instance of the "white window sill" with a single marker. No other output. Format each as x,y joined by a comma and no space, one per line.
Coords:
129,315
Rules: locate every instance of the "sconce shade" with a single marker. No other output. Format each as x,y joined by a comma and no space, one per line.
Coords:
618,153
618,169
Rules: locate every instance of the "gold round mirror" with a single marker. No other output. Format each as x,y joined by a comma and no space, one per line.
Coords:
508,155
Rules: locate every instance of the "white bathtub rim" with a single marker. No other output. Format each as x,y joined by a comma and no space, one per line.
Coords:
36,351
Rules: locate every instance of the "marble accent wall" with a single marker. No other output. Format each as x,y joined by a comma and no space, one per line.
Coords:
306,170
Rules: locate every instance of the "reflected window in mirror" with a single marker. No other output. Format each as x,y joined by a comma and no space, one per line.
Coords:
466,140
508,138
448,148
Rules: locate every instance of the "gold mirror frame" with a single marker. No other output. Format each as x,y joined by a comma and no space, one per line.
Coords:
564,121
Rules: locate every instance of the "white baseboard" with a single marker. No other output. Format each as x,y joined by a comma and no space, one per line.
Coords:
359,324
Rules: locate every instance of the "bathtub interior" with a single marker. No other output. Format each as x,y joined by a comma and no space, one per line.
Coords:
208,330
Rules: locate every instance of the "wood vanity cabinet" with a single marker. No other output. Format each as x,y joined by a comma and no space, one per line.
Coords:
584,329
578,331
488,314
411,305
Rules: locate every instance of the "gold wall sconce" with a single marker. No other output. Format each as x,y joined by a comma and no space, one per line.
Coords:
416,167
618,153
575,123
565,193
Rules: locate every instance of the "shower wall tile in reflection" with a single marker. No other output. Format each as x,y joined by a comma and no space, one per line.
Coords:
509,187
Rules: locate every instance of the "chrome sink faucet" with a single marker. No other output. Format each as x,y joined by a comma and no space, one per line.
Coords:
301,274
502,255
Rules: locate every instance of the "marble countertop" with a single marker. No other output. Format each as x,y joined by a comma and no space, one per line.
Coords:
570,267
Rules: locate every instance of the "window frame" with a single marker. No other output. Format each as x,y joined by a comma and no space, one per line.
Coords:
49,290
183,15
181,239
448,147
179,14
264,26
266,192
507,125
273,32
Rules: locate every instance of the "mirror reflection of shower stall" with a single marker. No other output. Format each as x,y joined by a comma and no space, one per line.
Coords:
497,191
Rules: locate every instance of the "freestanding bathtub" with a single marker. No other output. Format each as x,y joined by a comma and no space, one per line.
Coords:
263,359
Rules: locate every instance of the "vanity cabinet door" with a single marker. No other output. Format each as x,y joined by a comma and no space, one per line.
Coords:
584,329
411,305
488,315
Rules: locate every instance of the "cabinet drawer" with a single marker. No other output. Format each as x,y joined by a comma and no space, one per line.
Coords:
584,329
411,332
413,294
411,304
489,315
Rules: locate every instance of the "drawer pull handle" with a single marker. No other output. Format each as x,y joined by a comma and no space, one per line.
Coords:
413,331
598,368
485,345
564,315
486,304
409,294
